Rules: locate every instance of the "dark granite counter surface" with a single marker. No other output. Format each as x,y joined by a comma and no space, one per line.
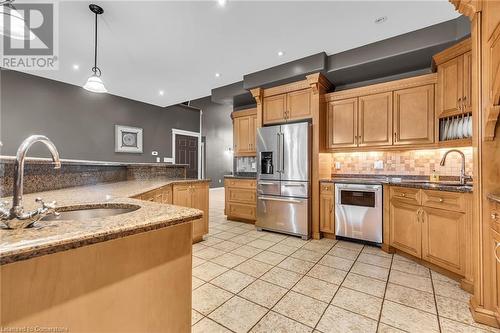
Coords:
242,176
48,237
447,184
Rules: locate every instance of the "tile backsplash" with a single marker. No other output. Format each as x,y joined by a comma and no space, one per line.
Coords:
246,164
413,162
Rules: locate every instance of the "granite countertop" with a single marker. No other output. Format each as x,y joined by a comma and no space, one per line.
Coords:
495,197
241,176
53,236
41,160
411,182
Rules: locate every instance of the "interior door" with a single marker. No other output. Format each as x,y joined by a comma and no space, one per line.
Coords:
295,152
414,115
375,120
342,123
186,152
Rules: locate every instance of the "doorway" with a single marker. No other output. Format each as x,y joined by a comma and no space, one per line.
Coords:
186,150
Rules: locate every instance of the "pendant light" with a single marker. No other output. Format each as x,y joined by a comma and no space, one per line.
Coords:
12,23
94,83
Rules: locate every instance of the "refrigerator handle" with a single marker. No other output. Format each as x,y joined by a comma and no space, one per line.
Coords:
282,162
278,158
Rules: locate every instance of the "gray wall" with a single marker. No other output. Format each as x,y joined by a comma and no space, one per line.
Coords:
81,123
218,129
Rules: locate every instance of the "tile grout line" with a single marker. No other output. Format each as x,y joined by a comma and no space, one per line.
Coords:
335,294
435,301
385,292
234,295
289,289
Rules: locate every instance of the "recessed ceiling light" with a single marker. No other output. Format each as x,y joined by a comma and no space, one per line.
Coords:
161,92
217,74
380,19
280,53
222,3
76,67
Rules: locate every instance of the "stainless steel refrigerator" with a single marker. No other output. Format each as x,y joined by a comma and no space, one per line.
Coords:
283,178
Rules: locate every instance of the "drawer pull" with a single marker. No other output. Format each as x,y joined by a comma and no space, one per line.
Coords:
441,200
495,251
403,195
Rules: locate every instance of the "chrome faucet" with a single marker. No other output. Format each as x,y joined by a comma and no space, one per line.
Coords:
16,217
463,177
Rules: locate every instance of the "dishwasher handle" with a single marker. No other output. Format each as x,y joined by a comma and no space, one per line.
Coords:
280,199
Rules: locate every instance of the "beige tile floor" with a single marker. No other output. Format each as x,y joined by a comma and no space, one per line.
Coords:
250,281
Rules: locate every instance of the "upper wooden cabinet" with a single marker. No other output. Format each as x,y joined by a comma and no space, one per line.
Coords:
375,120
244,129
454,68
414,116
294,105
384,115
342,123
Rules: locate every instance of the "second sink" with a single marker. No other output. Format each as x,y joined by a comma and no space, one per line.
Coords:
90,212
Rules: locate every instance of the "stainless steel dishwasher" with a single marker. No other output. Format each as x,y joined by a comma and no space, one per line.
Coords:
358,211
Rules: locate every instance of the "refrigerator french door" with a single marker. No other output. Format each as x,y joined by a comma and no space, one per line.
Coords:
283,181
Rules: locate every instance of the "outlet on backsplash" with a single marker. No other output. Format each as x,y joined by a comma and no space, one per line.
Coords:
413,162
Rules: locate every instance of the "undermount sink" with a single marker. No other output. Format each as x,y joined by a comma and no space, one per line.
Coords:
90,212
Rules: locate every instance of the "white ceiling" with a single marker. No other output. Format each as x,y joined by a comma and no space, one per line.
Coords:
177,47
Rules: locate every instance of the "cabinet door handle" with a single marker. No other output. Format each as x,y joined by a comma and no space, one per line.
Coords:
395,137
495,251
494,216
459,104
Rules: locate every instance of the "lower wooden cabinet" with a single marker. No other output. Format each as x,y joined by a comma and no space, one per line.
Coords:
194,196
495,267
432,225
405,229
326,209
241,199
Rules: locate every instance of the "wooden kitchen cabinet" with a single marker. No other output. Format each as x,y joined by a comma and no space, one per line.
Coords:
454,88
160,195
194,196
291,106
240,199
375,120
405,229
386,115
448,253
414,116
433,225
342,119
244,132
326,209
298,105
495,267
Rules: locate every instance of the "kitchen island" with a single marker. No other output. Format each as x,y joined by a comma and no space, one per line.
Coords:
127,272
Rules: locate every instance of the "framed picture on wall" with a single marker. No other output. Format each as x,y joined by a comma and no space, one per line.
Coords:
128,139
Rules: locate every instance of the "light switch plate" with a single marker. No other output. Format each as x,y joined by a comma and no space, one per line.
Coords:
378,165
158,160
338,166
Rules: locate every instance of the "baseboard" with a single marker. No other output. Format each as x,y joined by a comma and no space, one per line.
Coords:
481,315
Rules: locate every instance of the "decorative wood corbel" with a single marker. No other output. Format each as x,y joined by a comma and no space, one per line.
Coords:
318,83
468,8
257,94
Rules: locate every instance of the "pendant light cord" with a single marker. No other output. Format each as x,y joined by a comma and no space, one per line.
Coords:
96,69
